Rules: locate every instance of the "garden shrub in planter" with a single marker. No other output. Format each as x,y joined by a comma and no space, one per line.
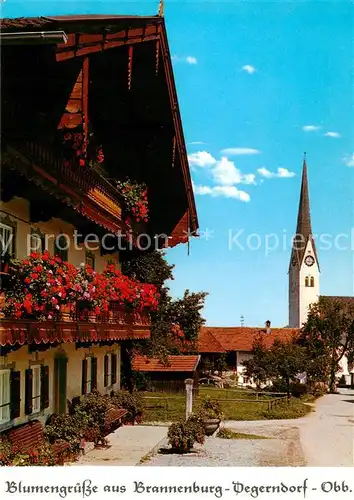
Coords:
182,435
210,414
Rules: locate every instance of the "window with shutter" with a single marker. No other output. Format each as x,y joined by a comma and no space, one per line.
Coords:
28,391
15,394
44,387
6,239
84,376
94,373
114,369
106,369
4,396
36,388
89,374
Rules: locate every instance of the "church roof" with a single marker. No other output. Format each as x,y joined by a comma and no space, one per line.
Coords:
303,228
240,338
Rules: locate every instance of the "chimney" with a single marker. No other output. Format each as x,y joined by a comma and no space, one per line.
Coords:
267,325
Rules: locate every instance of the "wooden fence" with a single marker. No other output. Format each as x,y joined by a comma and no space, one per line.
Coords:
173,406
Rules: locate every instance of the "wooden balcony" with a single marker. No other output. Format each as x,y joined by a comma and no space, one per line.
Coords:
82,327
83,188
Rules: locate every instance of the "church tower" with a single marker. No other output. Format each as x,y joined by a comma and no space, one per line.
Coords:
304,269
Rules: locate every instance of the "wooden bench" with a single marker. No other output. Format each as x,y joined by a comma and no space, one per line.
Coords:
114,418
29,436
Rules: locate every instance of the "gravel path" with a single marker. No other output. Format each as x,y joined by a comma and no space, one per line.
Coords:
323,438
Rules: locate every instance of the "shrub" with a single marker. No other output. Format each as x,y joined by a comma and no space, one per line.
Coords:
12,455
183,434
131,401
210,409
70,428
91,411
297,390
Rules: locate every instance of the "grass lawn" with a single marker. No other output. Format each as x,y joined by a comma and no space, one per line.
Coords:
229,434
169,407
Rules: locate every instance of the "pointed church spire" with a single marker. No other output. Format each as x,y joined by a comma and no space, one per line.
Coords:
304,218
160,12
304,227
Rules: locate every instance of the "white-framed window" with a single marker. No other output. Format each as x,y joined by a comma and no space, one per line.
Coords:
4,396
89,374
110,369
6,239
36,388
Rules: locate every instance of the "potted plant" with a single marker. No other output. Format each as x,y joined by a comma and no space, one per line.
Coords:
210,414
182,435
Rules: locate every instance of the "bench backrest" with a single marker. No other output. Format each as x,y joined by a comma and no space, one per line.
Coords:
26,436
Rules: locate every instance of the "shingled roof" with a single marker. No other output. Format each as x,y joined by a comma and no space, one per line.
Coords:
240,338
175,364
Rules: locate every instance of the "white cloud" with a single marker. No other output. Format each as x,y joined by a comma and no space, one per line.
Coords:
332,134
311,128
224,191
226,173
349,160
249,69
239,151
282,173
191,60
188,59
201,159
196,143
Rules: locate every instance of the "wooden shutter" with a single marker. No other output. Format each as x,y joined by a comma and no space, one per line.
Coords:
44,387
93,373
28,391
15,394
105,381
114,368
84,376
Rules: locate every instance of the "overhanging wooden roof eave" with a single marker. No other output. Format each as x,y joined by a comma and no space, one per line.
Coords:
161,34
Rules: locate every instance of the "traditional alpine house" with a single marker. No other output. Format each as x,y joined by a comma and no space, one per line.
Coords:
87,102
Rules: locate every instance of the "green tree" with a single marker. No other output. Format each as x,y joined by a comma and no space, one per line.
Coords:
328,336
151,267
282,361
257,367
286,360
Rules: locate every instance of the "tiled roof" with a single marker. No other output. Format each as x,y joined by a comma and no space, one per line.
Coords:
175,364
241,338
345,300
207,342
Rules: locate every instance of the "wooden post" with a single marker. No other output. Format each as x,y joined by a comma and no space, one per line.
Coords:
189,396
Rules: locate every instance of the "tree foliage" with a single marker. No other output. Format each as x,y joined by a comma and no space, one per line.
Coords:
282,361
176,322
328,336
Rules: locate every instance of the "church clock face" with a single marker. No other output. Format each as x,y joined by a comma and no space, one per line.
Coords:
309,260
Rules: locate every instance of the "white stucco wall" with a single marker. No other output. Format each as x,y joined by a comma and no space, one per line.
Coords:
18,211
20,360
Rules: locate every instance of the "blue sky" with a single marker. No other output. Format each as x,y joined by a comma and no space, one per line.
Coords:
258,83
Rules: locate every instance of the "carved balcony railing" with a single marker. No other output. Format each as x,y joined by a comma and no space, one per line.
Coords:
81,326
69,177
